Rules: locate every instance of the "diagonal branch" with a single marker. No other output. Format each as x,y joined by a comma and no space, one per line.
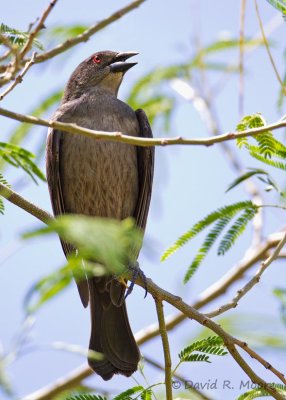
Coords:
178,303
84,37
26,205
253,281
20,77
144,142
37,29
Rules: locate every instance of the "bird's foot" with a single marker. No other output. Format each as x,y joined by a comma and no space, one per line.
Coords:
136,273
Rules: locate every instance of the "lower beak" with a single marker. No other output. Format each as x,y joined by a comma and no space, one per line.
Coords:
118,63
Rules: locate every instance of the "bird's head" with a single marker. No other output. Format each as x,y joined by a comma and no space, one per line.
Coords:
104,69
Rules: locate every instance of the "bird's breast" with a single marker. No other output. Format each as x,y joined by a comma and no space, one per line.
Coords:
99,177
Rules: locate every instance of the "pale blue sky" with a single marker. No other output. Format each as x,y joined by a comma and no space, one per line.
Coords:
188,184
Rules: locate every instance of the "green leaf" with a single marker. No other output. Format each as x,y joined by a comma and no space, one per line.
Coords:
4,182
126,395
236,230
146,394
17,37
212,345
227,211
206,246
280,5
259,392
268,147
246,176
20,158
85,397
67,31
111,243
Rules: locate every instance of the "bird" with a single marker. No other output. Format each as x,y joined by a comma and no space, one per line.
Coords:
102,179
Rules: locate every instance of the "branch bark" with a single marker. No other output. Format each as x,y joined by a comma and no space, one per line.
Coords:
144,142
166,347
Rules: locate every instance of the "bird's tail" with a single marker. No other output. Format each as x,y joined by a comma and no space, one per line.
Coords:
110,330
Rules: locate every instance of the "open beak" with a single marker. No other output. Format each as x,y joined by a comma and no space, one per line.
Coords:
118,63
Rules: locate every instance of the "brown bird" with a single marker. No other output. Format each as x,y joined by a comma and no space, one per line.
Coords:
106,179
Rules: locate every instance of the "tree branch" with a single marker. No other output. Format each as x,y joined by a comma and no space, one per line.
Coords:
166,348
26,205
84,37
249,285
20,77
144,142
37,29
177,302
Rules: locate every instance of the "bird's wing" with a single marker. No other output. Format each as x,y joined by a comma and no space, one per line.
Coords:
145,158
54,181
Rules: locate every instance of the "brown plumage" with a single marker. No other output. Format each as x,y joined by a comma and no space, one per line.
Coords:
105,179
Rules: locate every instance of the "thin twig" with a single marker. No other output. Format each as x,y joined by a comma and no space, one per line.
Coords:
83,37
20,77
250,284
179,377
37,29
144,142
283,87
166,348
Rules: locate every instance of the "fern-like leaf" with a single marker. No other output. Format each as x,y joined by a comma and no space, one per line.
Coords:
197,357
223,212
17,37
211,345
207,244
245,176
128,393
146,394
4,182
260,392
85,397
236,230
20,158
271,162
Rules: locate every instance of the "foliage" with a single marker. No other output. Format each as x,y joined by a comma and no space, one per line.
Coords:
113,244
17,37
20,158
268,149
212,345
221,218
86,397
4,182
126,395
279,5
260,392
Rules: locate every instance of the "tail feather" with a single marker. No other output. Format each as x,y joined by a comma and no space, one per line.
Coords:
111,333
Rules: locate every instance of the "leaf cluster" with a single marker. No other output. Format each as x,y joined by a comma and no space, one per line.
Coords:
212,345
243,211
17,37
20,158
113,244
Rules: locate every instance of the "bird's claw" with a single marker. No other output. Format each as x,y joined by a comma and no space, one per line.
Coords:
136,272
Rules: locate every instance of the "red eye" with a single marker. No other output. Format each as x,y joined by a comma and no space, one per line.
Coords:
96,59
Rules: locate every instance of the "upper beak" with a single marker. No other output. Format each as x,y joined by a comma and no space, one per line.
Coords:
118,63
